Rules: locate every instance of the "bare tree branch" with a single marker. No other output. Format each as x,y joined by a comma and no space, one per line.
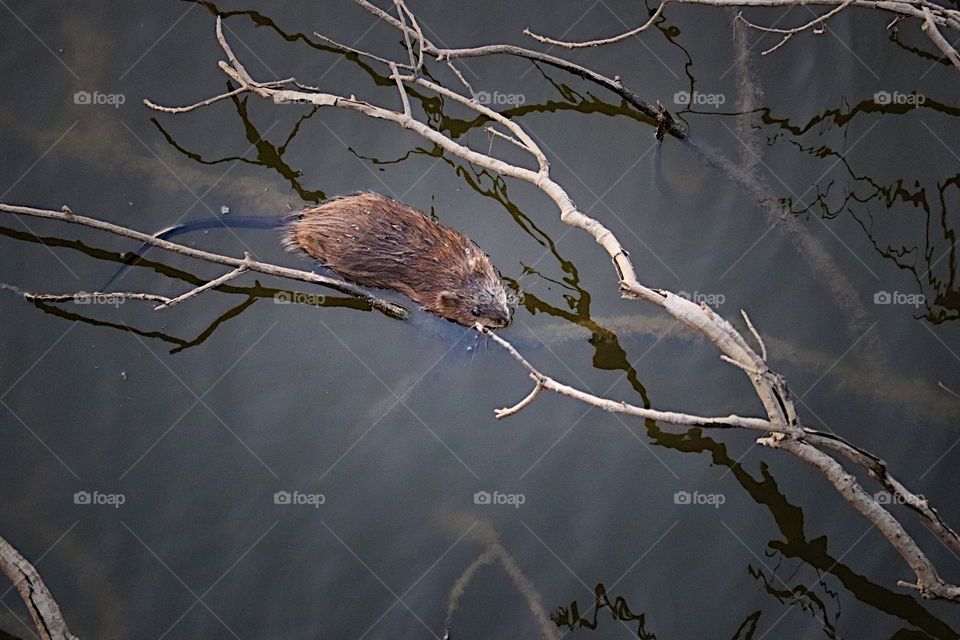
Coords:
35,595
932,14
542,381
389,308
227,277
601,41
83,297
448,55
782,428
930,28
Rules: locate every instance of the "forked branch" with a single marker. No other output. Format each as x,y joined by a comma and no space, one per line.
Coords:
933,16
239,265
781,428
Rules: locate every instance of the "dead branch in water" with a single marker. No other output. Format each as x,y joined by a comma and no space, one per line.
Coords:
933,32
782,427
449,55
932,16
247,263
39,601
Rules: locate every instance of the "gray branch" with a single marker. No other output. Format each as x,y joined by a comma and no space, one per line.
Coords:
391,309
39,601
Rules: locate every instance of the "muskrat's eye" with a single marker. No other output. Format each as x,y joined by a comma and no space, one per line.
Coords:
475,311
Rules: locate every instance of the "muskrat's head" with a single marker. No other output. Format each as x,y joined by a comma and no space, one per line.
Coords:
480,297
488,307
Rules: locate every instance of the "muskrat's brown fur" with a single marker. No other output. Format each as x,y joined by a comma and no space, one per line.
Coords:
378,242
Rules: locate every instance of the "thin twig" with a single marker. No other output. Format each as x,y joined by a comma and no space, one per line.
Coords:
209,101
740,365
403,92
401,12
227,277
816,21
517,408
401,5
360,53
756,335
670,417
509,139
84,297
463,80
602,41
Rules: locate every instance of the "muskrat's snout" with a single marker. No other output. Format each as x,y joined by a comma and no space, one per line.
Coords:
494,317
490,308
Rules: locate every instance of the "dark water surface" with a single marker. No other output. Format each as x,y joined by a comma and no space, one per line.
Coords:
822,179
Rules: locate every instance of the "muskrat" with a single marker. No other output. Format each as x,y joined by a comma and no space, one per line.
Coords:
376,241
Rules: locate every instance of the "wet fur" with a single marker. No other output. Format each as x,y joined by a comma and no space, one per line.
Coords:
378,242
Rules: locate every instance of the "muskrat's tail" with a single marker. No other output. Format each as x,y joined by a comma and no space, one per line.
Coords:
226,222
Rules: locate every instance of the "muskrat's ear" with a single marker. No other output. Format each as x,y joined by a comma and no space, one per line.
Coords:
447,299
450,302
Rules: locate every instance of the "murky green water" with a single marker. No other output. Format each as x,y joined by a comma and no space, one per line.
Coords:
820,192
